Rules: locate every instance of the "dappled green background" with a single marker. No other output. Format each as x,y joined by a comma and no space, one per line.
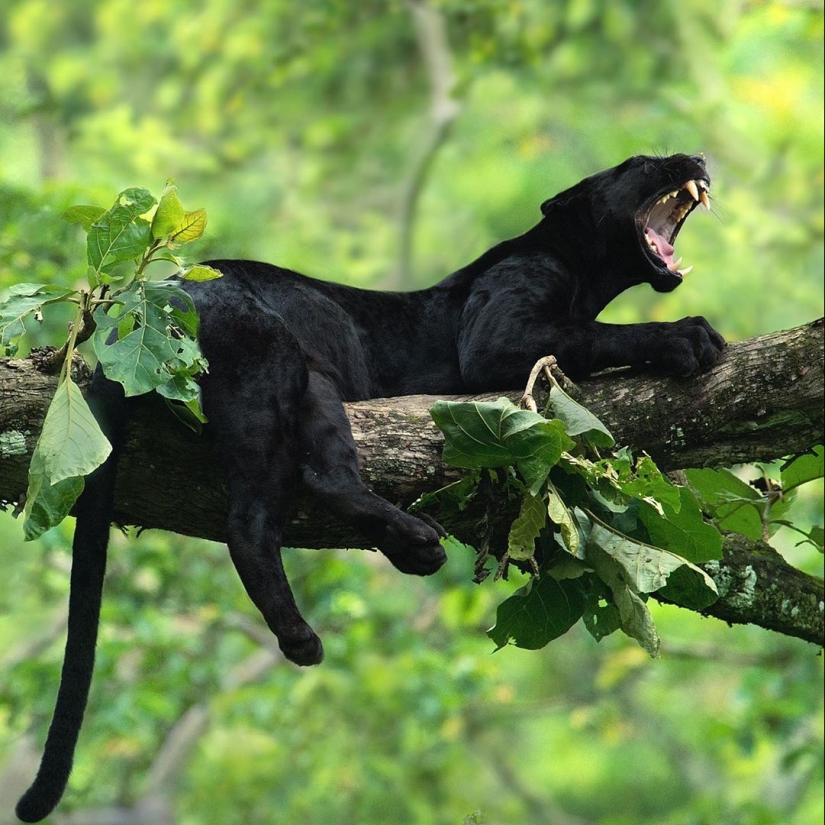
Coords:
299,127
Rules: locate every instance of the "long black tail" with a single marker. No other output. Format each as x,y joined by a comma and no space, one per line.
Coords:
94,516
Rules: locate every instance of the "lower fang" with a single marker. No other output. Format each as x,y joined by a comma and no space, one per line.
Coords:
674,267
684,272
703,196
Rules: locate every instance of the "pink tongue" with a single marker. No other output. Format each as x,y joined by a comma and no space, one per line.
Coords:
663,249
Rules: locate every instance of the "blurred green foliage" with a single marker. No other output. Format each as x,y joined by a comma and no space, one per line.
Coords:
295,126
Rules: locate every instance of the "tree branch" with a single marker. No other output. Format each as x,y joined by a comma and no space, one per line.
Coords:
762,401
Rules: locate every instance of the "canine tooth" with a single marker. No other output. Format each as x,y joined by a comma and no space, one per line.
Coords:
674,266
686,271
705,200
691,187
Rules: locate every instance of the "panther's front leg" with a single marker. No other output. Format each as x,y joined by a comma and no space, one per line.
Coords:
681,348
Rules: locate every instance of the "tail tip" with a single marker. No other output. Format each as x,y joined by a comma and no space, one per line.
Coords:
34,806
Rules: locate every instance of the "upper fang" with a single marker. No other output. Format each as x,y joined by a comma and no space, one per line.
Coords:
692,188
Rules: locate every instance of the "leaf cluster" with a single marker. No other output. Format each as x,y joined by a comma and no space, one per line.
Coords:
600,534
142,331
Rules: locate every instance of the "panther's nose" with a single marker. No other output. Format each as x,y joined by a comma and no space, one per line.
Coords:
700,159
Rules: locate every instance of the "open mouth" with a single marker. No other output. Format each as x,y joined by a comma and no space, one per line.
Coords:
663,218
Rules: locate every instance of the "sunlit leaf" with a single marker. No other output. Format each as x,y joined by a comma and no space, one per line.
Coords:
169,214
190,228
200,273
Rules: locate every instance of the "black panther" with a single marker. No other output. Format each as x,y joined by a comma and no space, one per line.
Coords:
285,350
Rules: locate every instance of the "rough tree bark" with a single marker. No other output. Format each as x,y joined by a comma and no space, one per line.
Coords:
762,401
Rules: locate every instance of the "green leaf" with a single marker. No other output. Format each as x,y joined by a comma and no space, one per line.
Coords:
117,236
25,299
732,503
169,214
200,273
521,543
646,568
633,615
180,388
51,291
560,515
71,442
802,469
83,214
136,200
685,532
646,482
49,505
189,413
70,446
153,320
690,587
137,360
499,434
190,228
536,614
601,616
579,420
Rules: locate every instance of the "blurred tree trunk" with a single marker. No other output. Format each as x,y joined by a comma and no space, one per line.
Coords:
431,33
762,401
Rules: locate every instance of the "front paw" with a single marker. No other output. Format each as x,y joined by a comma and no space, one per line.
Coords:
688,346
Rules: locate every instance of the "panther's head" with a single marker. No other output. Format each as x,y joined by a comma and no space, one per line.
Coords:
635,211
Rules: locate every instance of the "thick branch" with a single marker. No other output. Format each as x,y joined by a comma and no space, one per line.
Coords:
762,401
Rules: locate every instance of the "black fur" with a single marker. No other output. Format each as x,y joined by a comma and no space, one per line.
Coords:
284,351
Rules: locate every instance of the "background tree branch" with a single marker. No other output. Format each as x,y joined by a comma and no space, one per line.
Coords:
762,401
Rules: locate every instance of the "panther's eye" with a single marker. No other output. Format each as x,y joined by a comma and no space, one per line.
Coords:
662,219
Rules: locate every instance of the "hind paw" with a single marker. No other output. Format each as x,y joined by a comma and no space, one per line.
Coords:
413,547
304,650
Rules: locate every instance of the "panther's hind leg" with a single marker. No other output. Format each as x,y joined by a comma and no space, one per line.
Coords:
253,401
328,465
